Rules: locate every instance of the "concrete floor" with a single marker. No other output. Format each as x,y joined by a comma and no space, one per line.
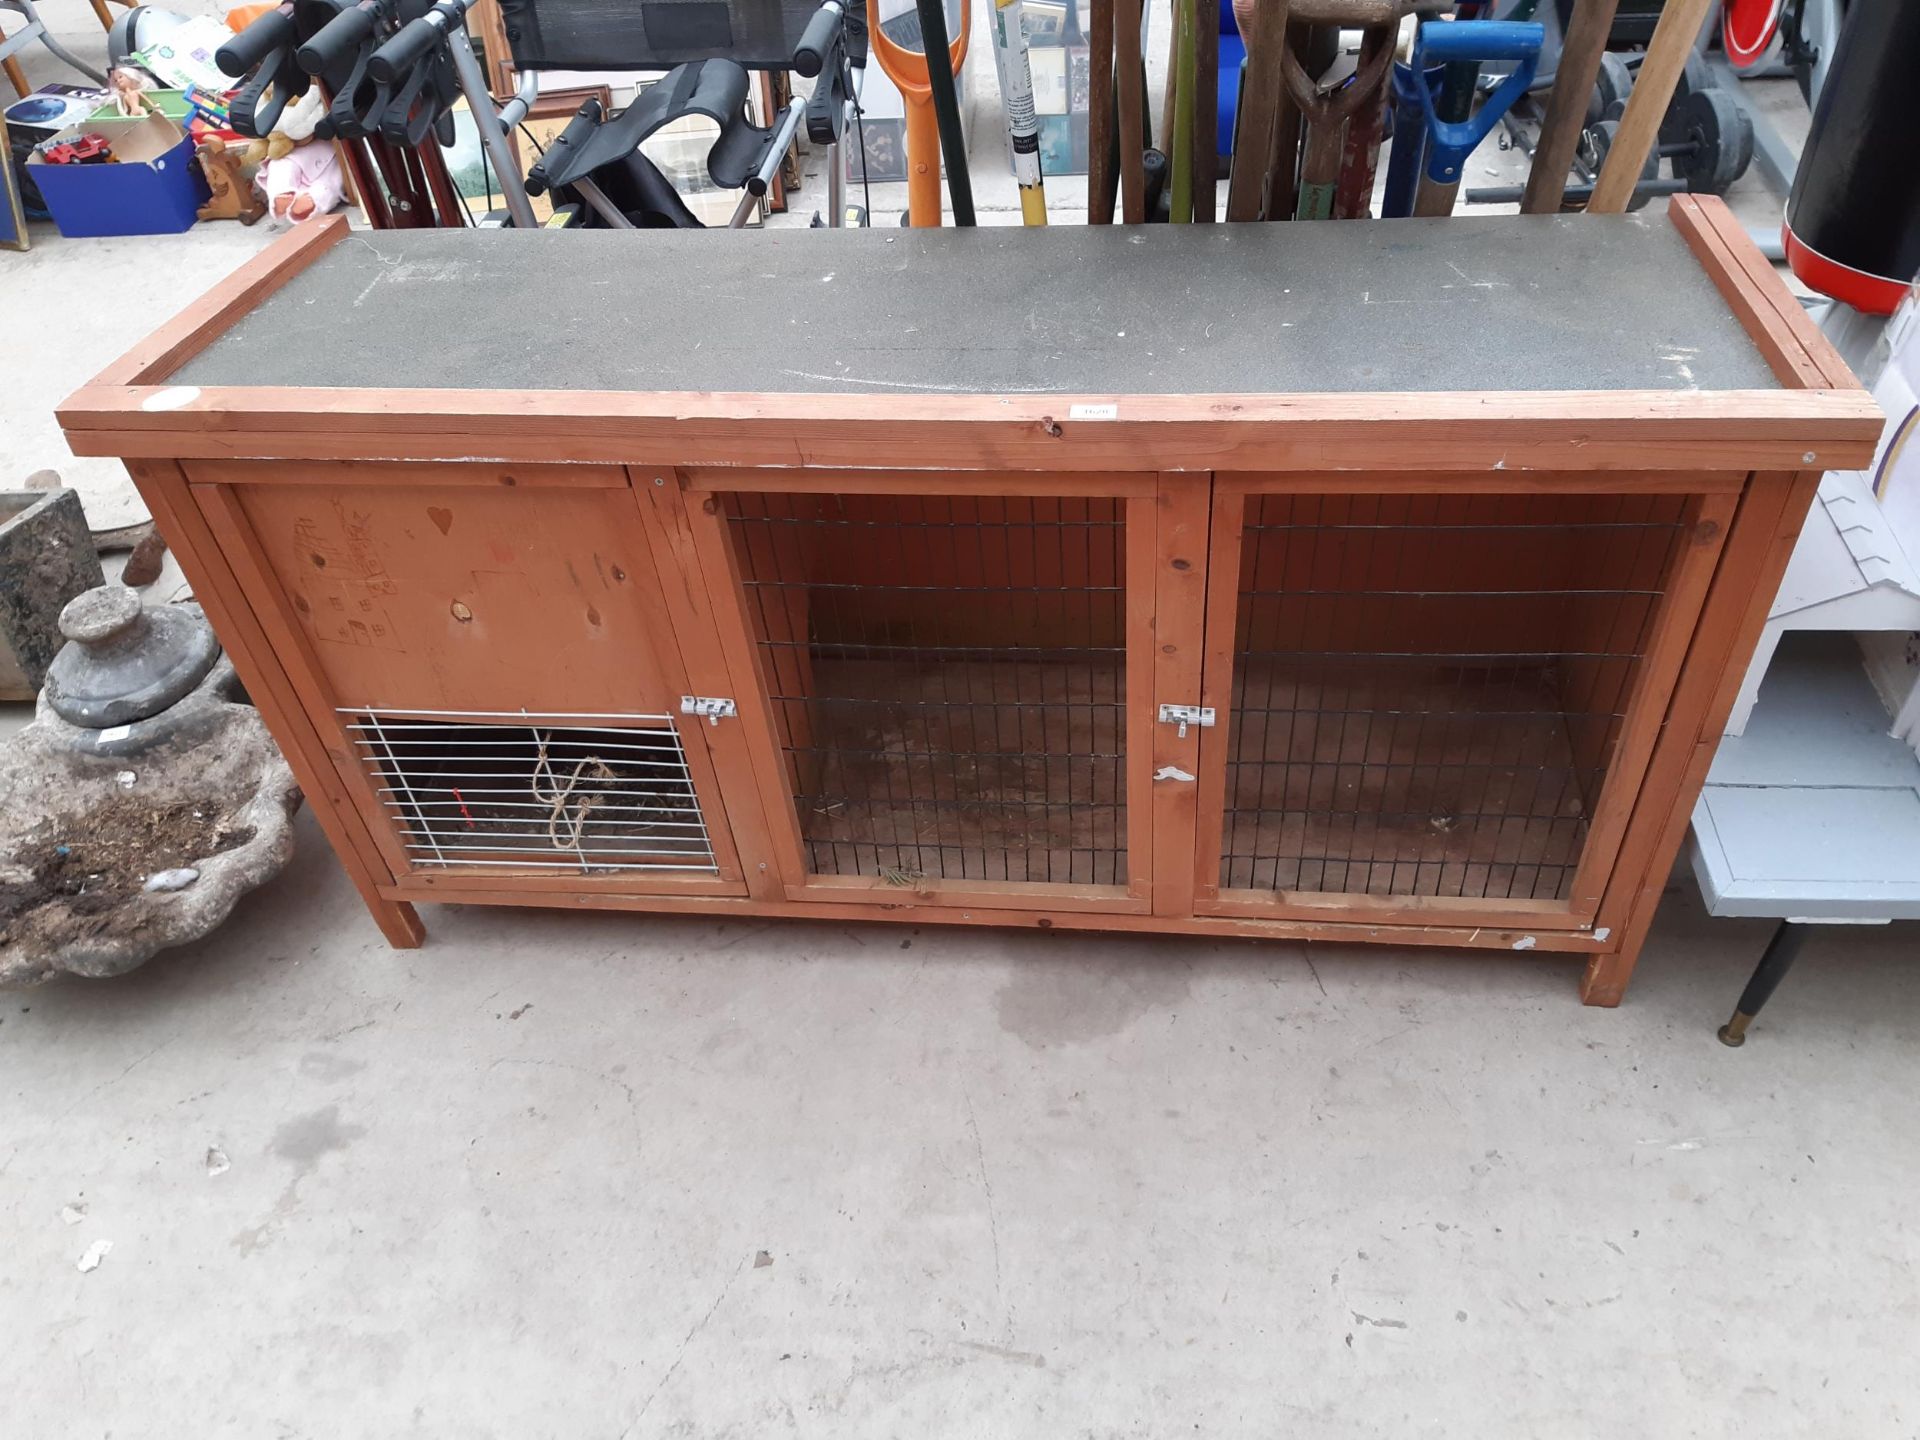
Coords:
597,1176
603,1176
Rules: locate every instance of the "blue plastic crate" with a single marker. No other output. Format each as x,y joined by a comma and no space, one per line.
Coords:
153,189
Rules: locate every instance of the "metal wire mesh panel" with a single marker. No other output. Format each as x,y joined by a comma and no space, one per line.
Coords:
1428,689
535,792
948,677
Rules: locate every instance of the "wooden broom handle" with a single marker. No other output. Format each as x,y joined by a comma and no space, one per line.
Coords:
1667,53
1263,26
1347,14
1566,114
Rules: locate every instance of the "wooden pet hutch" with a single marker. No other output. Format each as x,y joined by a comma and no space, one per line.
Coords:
1375,582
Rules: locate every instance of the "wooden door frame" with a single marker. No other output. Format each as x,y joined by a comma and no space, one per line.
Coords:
1711,502
725,598
1179,556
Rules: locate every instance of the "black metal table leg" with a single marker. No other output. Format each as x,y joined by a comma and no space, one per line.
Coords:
1780,954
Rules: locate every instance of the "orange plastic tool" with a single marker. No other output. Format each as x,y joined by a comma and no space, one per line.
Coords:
908,71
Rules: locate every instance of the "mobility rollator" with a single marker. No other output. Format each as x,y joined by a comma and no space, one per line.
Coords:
395,67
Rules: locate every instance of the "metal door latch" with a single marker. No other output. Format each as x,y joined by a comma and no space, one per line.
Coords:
1185,715
715,707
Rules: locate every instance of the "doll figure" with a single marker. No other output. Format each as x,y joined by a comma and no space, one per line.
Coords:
303,183
300,176
129,93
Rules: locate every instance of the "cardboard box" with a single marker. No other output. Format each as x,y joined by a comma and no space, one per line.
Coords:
151,188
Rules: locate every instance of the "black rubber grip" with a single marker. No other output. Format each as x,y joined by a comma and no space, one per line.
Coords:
816,40
415,40
338,39
253,44
585,121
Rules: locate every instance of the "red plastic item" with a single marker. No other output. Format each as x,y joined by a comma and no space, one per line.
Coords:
1869,294
1748,29
90,149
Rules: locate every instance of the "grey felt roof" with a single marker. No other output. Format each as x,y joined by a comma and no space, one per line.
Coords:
1497,303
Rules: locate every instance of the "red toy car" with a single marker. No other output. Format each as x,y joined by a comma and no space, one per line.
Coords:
91,149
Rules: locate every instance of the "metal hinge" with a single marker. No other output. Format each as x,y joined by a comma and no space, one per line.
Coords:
1185,715
715,707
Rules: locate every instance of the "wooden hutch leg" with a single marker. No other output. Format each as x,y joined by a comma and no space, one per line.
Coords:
170,501
399,922
1605,980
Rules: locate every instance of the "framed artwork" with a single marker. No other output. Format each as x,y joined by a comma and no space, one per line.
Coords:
886,150
559,105
1062,82
773,94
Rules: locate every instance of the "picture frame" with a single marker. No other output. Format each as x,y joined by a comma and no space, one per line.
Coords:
884,155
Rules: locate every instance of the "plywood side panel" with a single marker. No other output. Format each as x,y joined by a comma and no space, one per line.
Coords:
469,599
222,595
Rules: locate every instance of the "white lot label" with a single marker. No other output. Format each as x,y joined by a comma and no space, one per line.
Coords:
1093,412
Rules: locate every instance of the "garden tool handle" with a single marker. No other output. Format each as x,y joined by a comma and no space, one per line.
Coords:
1441,41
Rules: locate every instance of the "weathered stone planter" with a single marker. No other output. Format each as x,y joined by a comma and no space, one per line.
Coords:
118,842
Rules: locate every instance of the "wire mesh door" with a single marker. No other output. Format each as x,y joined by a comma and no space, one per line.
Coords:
1440,703
947,680
548,794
